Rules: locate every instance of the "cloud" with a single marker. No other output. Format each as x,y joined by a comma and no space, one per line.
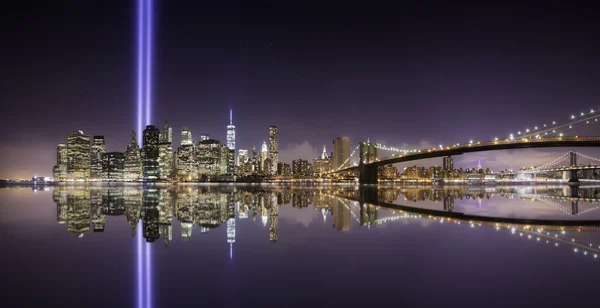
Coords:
302,150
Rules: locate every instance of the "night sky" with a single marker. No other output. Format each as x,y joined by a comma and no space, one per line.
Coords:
414,75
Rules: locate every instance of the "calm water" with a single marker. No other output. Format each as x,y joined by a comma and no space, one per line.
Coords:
128,246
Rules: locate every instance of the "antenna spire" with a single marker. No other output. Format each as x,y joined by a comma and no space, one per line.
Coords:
230,116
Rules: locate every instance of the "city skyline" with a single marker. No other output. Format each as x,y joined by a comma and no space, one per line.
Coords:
377,89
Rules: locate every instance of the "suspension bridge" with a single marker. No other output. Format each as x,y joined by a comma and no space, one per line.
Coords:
364,162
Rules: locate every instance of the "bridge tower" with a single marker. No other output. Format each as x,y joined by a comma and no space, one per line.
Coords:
367,171
573,164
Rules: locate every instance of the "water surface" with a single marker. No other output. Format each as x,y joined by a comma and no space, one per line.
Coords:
233,245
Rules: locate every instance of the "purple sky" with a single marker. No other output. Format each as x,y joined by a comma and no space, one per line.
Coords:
407,74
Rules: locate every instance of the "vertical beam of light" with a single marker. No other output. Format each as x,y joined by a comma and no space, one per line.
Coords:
148,277
139,284
140,67
148,55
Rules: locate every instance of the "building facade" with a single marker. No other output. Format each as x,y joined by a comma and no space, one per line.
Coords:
341,151
273,148
98,148
78,156
150,153
133,160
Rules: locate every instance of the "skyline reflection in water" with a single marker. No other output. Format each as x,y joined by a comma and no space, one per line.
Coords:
232,224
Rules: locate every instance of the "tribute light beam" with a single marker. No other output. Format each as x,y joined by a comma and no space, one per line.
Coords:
144,14
145,9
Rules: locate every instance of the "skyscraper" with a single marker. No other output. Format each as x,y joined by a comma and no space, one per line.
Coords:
150,152
341,151
263,157
60,169
133,160
167,134
78,156
242,157
98,148
322,164
186,136
273,148
204,137
113,165
208,154
448,163
300,167
231,132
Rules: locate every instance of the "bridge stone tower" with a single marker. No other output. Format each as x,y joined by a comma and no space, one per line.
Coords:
367,171
573,163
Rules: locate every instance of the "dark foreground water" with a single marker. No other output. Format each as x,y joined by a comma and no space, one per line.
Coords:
242,246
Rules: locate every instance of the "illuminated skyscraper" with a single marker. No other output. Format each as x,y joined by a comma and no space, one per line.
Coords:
78,156
98,148
133,160
322,163
150,153
300,167
165,153
204,137
167,134
60,169
273,148
113,165
231,132
341,151
263,158
242,157
186,136
208,155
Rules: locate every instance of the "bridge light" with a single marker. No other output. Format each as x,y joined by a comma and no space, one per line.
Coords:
496,139
570,126
587,122
512,137
470,141
592,111
544,125
535,127
527,130
582,114
519,132
572,117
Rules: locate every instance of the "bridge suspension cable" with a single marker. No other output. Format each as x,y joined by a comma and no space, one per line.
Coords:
588,157
554,162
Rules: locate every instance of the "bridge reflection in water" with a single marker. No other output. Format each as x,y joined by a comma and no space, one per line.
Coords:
150,210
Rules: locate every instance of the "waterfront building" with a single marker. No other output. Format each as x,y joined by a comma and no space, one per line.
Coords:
113,166
283,169
133,160
341,151
322,164
209,154
78,156
150,153
273,148
300,167
98,148
263,157
165,161
388,172
60,169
